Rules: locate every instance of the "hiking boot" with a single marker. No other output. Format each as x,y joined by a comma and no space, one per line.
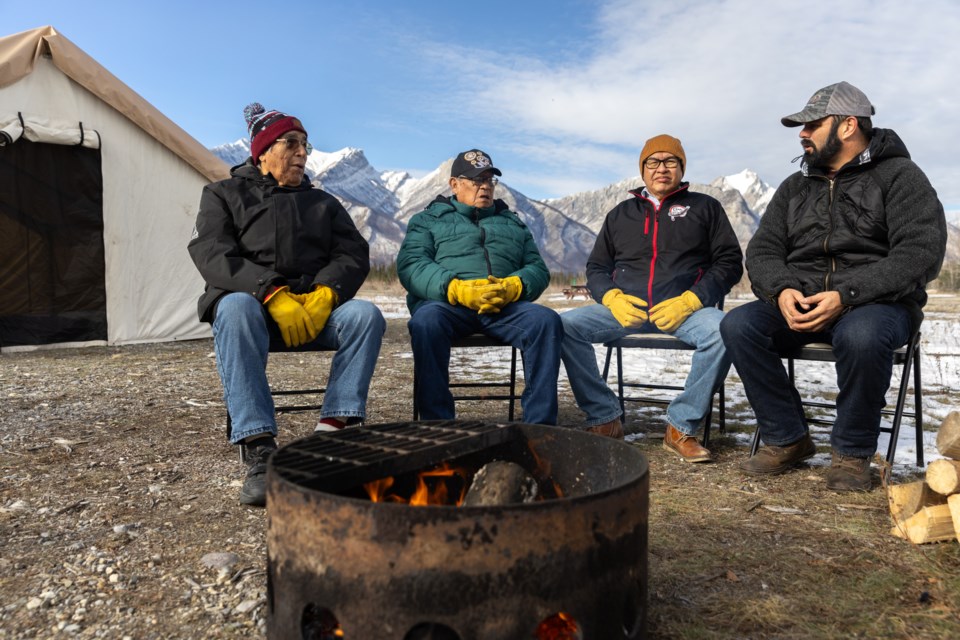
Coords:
686,446
771,460
848,473
254,490
612,429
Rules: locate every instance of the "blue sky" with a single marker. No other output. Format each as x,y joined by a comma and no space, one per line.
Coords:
561,93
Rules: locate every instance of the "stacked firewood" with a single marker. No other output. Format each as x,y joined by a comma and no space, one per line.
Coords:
929,510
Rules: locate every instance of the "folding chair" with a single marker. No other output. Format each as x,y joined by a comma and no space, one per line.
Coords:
289,408
906,356
655,341
475,340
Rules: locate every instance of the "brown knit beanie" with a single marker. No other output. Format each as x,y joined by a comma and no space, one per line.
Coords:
666,143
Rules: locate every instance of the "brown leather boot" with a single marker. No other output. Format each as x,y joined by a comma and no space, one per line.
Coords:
612,429
848,473
771,460
686,446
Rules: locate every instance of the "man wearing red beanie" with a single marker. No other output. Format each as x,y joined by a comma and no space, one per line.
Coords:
282,261
663,260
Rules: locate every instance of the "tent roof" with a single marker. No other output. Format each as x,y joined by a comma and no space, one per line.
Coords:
19,52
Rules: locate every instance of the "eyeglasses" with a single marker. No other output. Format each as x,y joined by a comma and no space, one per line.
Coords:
479,182
654,163
292,144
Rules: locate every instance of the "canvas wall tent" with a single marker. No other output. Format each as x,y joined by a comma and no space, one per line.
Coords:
98,196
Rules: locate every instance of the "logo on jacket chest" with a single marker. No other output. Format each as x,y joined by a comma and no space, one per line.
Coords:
677,211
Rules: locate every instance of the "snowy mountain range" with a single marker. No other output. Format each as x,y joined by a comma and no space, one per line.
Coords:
381,203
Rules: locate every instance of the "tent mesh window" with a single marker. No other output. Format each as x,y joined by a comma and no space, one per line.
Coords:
52,275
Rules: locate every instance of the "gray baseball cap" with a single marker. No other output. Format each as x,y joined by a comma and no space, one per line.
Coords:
840,99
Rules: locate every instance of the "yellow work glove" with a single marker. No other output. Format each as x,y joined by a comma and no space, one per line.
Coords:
511,288
628,310
670,314
295,324
318,303
475,294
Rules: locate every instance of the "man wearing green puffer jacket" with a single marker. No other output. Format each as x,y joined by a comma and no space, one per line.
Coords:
470,265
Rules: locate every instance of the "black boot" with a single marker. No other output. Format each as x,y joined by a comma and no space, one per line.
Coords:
254,491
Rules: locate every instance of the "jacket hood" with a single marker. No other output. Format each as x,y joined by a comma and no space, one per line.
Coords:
443,203
884,144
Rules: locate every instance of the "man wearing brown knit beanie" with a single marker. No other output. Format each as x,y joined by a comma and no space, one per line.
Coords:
662,262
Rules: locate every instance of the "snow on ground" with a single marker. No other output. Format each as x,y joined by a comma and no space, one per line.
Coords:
940,370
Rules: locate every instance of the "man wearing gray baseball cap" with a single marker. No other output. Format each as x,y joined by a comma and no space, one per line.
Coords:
842,255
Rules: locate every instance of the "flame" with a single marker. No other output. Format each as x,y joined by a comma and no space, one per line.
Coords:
561,626
426,493
378,488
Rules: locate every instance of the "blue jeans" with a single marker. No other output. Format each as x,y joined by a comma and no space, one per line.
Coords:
534,329
243,335
688,411
863,340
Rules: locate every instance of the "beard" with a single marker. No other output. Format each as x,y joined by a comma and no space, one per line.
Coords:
831,147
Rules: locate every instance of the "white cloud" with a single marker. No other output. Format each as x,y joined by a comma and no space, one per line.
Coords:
719,75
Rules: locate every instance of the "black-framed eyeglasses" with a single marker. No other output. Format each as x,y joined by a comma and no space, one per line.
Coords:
654,163
479,181
292,144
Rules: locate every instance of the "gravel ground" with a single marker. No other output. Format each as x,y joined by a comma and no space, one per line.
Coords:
119,515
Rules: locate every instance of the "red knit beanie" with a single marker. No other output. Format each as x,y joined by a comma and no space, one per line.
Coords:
265,127
666,143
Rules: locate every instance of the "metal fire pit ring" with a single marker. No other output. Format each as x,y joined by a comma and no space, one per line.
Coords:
390,571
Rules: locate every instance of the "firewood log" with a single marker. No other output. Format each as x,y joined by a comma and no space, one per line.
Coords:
906,499
943,476
930,524
948,437
954,503
501,483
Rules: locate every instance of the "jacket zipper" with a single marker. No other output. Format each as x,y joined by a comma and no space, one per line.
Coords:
826,240
483,242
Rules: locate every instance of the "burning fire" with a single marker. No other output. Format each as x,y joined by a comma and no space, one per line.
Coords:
561,626
433,488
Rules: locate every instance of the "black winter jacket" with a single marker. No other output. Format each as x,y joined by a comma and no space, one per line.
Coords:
657,253
252,234
875,232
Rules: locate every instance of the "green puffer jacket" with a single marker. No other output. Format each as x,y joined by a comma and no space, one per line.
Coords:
451,240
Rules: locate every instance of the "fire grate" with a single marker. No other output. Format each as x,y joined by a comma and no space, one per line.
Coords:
333,462
341,565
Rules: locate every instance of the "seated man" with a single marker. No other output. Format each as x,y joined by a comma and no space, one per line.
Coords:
470,265
661,263
282,262
842,255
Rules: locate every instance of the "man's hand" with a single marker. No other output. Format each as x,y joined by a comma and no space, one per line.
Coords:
319,303
809,314
630,311
670,314
480,295
295,324
510,289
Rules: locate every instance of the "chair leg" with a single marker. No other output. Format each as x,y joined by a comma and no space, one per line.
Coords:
912,357
918,406
416,407
623,408
513,382
755,445
606,364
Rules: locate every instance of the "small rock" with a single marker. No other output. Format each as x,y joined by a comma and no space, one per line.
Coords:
219,560
34,603
246,606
